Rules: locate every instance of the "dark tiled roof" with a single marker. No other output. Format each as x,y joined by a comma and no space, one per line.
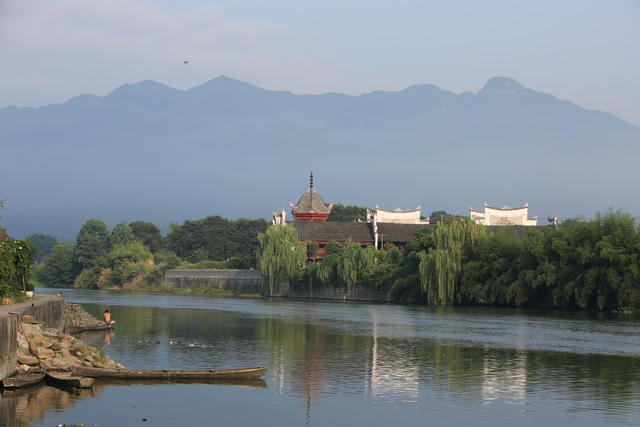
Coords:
311,202
400,233
362,232
338,231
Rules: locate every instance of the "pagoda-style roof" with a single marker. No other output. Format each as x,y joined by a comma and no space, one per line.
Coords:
311,207
311,202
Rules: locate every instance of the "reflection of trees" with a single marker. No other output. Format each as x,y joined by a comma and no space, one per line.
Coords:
505,380
383,354
23,406
298,351
490,373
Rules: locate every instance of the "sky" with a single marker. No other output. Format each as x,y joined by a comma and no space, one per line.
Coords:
585,51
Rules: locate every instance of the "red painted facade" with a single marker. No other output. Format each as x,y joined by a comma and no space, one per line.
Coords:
310,217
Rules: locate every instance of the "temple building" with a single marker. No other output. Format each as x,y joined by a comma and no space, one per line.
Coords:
311,207
396,227
503,216
397,216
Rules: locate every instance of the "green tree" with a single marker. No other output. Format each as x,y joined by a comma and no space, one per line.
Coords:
4,236
441,267
166,260
92,242
347,213
127,253
43,244
16,261
436,216
215,238
8,273
148,233
122,234
281,256
58,269
126,261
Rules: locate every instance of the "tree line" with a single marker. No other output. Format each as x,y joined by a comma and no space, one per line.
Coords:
136,254
579,264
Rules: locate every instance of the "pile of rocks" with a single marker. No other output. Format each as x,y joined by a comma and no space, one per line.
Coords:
76,317
50,348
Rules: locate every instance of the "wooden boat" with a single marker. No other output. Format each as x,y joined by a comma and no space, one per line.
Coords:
236,382
77,329
246,373
69,379
23,380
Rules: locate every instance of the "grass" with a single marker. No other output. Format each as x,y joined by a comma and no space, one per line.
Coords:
194,289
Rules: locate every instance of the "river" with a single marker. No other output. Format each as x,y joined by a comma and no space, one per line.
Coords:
339,364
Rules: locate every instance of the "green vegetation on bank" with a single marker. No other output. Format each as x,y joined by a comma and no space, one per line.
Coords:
135,255
215,238
580,264
16,260
590,265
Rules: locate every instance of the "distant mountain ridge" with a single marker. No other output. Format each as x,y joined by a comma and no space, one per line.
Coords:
228,147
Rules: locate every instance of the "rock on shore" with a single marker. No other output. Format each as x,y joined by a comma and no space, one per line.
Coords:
76,317
52,348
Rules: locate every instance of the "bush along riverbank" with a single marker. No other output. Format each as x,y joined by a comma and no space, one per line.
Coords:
16,260
211,290
580,264
134,256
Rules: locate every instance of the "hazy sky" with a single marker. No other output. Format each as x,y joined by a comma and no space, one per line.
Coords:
586,51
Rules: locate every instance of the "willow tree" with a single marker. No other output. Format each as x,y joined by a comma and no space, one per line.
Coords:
441,267
281,255
347,265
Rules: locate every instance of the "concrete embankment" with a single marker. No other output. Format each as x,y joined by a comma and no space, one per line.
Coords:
32,337
236,281
252,282
48,309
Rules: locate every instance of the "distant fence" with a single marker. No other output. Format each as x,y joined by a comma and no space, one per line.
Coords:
236,281
252,282
356,293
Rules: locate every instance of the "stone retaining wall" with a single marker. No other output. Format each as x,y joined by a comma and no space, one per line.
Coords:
357,293
252,282
236,281
46,308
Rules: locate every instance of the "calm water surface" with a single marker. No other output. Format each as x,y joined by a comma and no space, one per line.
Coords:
335,364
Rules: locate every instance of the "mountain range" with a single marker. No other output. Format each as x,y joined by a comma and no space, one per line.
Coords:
148,151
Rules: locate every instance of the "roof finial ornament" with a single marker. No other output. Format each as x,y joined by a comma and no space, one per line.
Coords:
311,181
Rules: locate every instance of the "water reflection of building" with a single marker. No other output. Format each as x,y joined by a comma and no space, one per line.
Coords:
504,379
393,371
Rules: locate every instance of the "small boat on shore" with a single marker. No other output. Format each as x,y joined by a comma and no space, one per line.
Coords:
78,329
23,380
69,379
134,374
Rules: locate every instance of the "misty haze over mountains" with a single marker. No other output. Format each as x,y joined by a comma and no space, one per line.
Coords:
150,152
